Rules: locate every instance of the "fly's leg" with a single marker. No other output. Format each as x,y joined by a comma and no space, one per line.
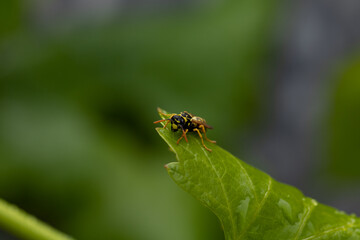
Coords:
202,141
183,136
204,131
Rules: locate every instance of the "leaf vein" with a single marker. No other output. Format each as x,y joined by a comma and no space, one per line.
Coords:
331,230
305,219
256,214
224,192
249,180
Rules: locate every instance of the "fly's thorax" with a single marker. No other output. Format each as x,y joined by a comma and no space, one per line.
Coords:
177,119
186,115
174,127
177,122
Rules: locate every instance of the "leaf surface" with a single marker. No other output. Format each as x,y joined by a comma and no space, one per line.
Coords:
248,202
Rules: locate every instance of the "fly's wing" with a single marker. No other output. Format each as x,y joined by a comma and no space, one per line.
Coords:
201,122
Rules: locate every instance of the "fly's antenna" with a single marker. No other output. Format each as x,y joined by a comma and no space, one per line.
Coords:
162,120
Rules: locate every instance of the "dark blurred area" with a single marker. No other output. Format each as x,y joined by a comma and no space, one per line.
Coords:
80,82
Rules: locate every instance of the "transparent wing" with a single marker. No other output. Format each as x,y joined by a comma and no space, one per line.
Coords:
201,123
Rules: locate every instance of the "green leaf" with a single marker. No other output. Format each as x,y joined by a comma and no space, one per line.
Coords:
248,202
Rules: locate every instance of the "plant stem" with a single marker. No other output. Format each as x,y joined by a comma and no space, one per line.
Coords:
25,226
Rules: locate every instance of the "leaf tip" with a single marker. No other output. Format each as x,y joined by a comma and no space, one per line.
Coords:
171,167
158,129
160,110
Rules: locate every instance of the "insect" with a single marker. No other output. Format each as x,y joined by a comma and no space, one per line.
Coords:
186,122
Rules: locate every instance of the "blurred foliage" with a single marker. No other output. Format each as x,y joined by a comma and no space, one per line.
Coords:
10,17
344,118
78,147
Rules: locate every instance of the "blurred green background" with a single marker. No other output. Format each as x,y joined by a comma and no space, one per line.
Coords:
79,86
